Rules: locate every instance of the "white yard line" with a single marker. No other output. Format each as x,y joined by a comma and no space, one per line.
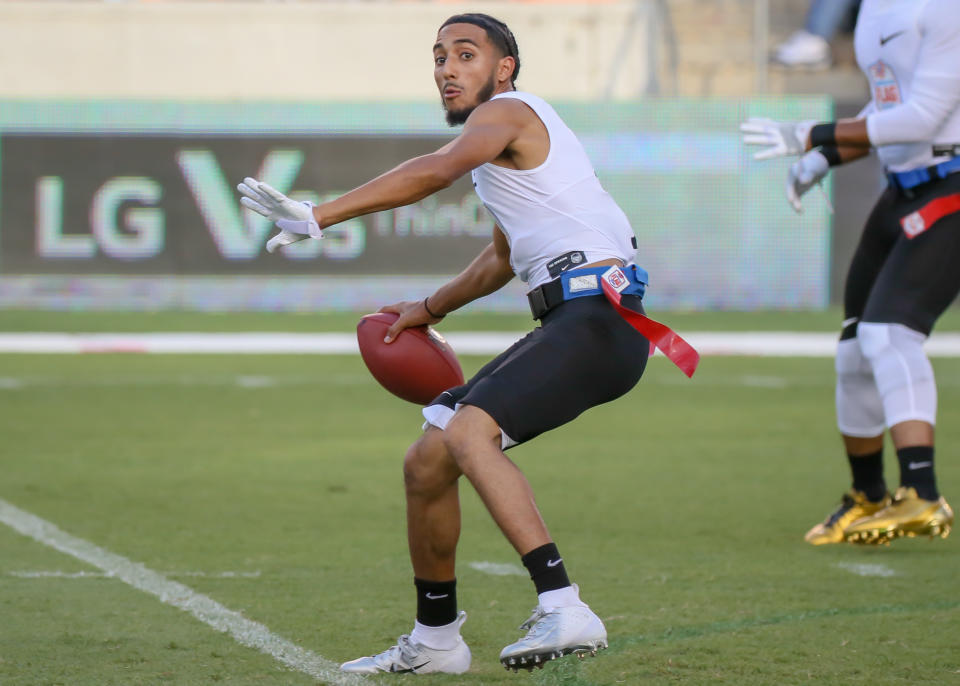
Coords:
59,574
748,343
498,568
866,569
207,610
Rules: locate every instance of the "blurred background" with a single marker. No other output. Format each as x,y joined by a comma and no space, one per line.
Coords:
125,126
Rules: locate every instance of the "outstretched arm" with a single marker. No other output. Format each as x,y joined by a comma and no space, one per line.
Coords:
488,272
488,132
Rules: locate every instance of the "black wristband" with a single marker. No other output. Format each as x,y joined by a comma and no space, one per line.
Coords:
823,134
832,153
427,308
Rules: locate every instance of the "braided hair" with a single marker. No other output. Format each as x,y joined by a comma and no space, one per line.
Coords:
497,32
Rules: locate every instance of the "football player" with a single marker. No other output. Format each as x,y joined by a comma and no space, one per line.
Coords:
562,234
904,272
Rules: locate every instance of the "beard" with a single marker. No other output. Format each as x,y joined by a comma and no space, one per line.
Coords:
457,117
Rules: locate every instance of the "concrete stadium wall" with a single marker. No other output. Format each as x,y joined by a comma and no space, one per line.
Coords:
333,51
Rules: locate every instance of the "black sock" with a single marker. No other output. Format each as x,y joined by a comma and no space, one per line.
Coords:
916,469
868,474
436,602
546,568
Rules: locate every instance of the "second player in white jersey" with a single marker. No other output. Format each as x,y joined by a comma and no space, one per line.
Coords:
903,274
910,53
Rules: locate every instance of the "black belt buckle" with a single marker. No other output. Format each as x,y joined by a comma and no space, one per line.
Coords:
538,302
946,149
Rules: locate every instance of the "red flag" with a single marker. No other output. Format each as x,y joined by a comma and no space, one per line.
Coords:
669,342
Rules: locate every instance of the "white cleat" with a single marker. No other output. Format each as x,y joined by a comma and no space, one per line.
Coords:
410,657
803,49
285,238
554,633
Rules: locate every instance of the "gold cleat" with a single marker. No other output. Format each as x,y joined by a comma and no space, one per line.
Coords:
908,515
854,506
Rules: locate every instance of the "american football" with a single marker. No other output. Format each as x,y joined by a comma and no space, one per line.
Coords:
417,366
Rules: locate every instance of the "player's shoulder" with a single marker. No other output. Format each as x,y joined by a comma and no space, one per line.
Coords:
511,102
511,107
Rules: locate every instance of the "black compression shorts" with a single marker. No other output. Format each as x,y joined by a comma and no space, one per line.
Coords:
898,280
582,355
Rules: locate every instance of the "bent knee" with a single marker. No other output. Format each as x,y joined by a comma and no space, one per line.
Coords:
879,339
874,339
469,427
428,466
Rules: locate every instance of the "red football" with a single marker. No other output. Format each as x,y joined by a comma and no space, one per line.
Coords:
418,366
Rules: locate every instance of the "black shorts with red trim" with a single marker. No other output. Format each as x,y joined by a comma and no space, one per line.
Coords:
906,270
582,355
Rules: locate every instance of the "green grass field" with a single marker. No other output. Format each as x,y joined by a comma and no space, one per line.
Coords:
679,509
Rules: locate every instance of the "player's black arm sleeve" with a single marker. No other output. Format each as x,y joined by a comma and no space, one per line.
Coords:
841,155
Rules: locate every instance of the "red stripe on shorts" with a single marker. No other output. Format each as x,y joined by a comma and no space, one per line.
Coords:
917,222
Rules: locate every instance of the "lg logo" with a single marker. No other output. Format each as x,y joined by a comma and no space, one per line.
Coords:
127,223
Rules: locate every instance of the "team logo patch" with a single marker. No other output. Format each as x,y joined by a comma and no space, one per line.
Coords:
883,82
913,224
616,278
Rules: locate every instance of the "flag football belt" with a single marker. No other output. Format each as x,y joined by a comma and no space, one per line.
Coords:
614,283
909,180
917,222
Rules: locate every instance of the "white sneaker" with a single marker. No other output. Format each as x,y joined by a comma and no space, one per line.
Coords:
554,633
408,656
803,49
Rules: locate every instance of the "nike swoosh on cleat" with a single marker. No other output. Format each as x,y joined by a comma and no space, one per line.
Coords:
430,596
920,465
554,563
408,670
885,40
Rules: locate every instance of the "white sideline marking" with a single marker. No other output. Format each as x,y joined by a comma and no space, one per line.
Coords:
498,568
764,381
752,343
255,382
191,380
244,631
865,569
58,574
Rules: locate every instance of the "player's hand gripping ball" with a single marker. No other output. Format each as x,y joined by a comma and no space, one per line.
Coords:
418,366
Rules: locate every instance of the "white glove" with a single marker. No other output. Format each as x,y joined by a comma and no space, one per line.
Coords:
781,138
294,219
804,174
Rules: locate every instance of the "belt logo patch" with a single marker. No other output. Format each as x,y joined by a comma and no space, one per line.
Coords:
913,224
588,282
616,278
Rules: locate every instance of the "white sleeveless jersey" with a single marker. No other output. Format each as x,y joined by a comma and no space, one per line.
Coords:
556,208
910,53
